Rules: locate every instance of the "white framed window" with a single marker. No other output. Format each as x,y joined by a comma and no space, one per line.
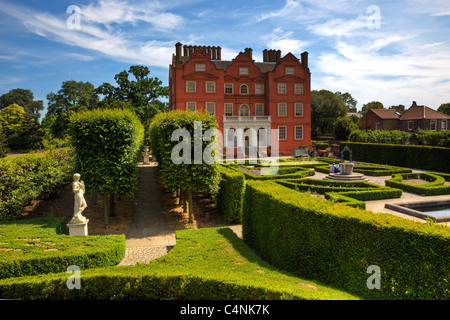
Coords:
282,134
282,88
211,107
298,132
191,86
210,87
191,106
433,125
298,110
410,125
259,88
228,88
200,67
298,88
243,71
290,70
244,111
230,137
228,109
259,109
244,89
443,124
282,112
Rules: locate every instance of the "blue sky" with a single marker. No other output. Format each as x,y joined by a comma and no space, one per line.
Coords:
388,51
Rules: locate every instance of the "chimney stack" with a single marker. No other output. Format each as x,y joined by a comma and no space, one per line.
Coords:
178,51
304,61
249,52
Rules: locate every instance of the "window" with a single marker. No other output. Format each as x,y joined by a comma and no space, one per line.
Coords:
298,88
191,86
228,88
200,67
298,132
210,86
410,125
191,106
282,88
259,88
290,70
211,107
259,109
282,133
299,109
282,110
228,109
443,124
230,137
433,125
243,70
244,89
244,111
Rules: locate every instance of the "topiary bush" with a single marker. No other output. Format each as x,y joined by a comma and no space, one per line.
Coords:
107,143
335,244
230,197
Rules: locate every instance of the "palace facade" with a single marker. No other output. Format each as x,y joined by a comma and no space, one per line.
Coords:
256,104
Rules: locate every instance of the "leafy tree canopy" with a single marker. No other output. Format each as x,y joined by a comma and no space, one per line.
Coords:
371,105
347,98
141,93
24,98
326,107
444,108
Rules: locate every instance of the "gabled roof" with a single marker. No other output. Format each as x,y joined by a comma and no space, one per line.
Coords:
386,114
416,112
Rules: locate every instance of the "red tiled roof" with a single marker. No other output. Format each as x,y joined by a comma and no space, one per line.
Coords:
386,113
423,112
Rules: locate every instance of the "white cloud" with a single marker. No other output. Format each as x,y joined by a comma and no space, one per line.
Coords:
284,41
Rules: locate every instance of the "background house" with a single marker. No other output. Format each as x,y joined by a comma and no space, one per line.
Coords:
414,118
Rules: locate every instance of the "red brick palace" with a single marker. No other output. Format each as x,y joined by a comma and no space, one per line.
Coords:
244,94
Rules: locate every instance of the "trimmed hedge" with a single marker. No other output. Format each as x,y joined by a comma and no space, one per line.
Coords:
32,177
350,193
216,264
418,157
230,197
36,246
435,186
335,244
277,173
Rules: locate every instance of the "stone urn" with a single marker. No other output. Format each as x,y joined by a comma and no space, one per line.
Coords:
346,168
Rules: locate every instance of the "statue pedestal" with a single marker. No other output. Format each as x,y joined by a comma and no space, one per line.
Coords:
78,229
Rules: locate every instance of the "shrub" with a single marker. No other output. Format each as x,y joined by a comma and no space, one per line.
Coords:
380,136
31,177
335,244
195,168
230,197
36,246
418,157
3,144
435,186
107,144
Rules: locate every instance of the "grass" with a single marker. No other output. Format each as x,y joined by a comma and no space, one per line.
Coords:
210,256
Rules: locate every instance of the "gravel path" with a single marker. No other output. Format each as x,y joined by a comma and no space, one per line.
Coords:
149,236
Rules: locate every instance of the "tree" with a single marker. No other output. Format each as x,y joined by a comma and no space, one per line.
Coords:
326,107
400,108
444,108
23,98
371,105
73,97
347,98
107,145
3,144
343,126
21,129
142,93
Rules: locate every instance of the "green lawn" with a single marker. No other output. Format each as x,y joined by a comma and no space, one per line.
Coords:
208,263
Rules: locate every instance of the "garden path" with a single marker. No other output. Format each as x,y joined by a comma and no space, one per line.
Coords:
149,236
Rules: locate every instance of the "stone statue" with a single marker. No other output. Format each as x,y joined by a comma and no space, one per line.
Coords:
80,204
